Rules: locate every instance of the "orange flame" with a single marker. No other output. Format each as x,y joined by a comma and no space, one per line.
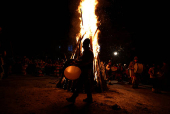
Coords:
88,25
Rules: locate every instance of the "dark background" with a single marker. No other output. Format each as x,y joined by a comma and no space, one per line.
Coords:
133,28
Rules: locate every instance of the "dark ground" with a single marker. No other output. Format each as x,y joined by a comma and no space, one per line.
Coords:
39,95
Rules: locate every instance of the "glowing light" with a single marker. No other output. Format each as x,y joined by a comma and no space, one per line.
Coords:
115,53
88,23
88,27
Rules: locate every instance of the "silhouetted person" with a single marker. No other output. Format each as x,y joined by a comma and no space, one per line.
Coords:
4,62
154,78
166,76
108,71
119,73
134,76
86,65
1,61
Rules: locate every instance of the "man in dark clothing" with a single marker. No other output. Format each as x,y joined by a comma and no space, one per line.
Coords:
86,65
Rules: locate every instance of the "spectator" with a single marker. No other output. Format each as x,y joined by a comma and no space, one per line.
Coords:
125,73
134,77
102,68
108,71
154,72
119,73
4,62
113,71
165,77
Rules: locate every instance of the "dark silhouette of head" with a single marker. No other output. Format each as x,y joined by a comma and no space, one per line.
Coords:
86,43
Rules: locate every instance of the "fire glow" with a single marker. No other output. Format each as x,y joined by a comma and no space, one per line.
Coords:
88,26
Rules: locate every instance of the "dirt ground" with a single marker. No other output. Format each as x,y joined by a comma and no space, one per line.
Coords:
39,95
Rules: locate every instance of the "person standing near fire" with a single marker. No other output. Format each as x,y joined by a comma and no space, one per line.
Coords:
134,77
165,76
119,73
4,63
154,72
86,77
1,62
108,71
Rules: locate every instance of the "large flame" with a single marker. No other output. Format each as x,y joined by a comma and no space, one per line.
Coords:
88,23
88,26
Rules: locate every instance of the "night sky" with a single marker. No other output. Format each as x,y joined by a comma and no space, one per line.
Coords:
132,27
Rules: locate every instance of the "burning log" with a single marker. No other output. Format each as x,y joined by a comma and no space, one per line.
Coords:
77,47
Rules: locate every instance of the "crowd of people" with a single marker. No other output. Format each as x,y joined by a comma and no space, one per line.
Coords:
112,71
156,75
37,67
